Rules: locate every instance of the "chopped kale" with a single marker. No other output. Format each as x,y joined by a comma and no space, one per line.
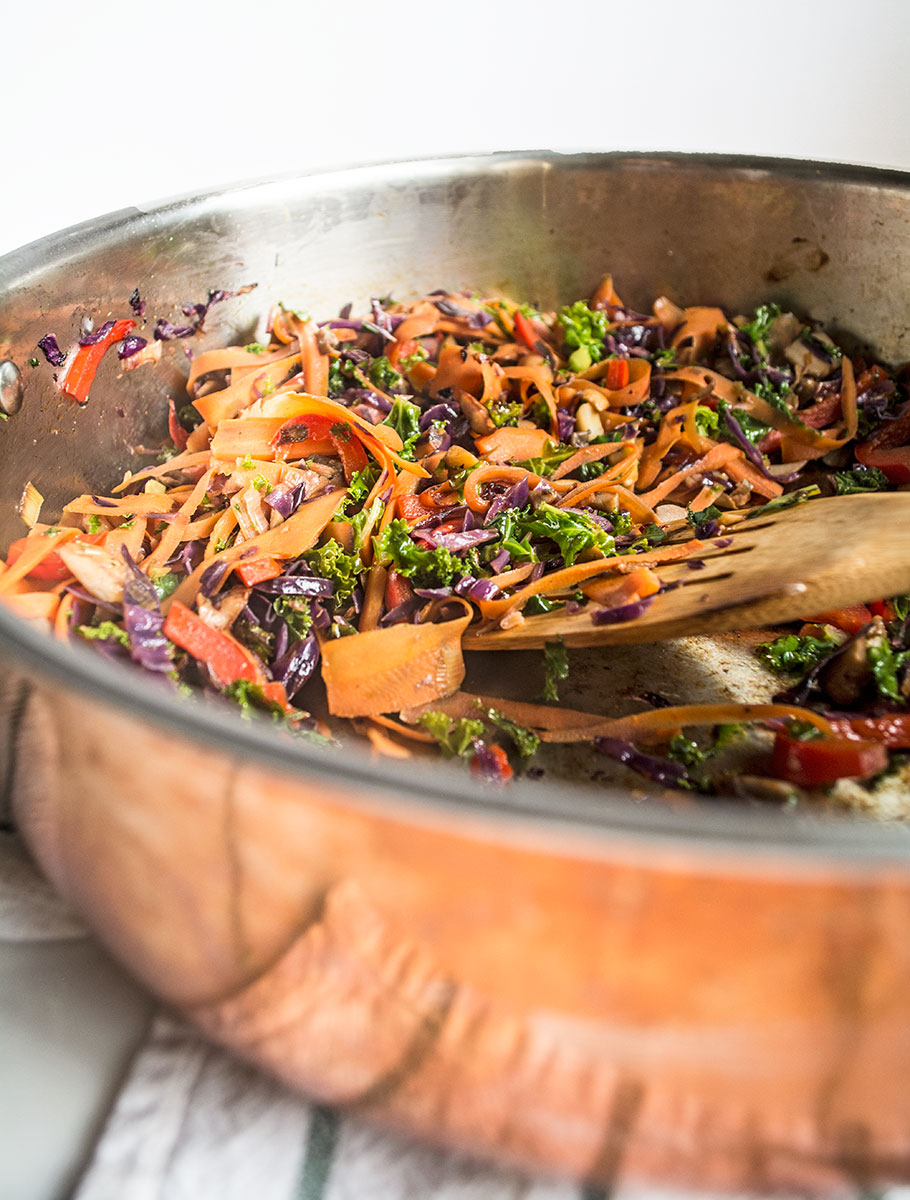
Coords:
572,533
860,479
706,421
333,563
556,670
525,740
405,420
699,519
792,655
383,375
584,331
754,430
105,631
437,567
761,322
886,667
455,737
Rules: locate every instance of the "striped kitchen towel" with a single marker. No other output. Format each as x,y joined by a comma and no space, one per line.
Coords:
193,1122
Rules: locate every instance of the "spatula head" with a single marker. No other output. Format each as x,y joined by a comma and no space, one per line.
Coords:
777,567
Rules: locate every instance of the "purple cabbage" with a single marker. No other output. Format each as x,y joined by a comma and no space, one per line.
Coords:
50,348
297,585
476,589
93,336
164,331
285,499
143,619
566,424
102,503
137,304
438,412
623,612
212,577
402,612
661,770
456,541
517,496
296,665
500,561
131,345
473,318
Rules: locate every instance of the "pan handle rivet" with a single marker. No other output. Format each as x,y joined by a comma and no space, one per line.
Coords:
10,387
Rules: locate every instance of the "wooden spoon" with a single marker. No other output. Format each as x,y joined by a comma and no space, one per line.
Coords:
779,567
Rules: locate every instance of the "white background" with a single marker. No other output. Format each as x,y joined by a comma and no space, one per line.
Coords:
108,105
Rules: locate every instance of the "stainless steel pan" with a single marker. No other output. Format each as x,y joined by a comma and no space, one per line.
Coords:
564,974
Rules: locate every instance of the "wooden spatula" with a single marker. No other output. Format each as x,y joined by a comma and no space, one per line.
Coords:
779,567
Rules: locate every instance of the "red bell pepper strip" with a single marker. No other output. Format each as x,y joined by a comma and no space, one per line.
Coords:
51,569
228,660
821,761
79,374
883,609
892,730
851,619
321,435
889,450
617,375
178,434
525,330
397,590
258,570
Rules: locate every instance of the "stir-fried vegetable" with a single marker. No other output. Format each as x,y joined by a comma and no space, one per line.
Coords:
344,498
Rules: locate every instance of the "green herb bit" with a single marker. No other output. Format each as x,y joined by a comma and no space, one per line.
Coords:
250,696
296,613
792,655
420,355
32,362
366,518
753,430
255,348
762,319
541,604
128,522
362,483
886,666
860,479
261,484
803,731
93,524
655,534
383,375
698,519
455,737
247,463
706,421
106,631
404,418
505,412
788,500
583,329
166,584
525,740
556,670
690,754
778,397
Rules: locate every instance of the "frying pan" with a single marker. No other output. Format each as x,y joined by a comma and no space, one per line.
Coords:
567,974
